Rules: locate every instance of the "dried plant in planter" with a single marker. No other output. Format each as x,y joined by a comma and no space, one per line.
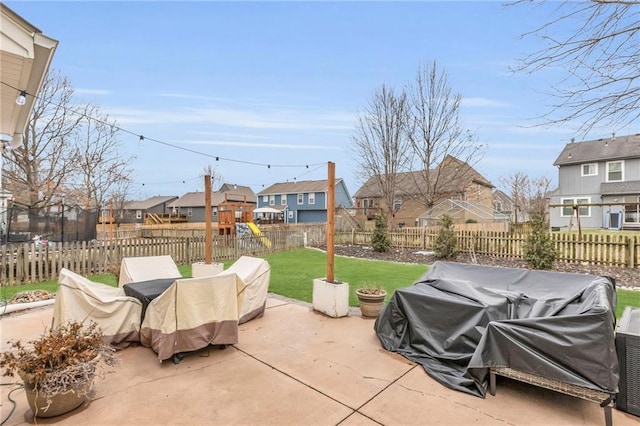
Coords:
63,360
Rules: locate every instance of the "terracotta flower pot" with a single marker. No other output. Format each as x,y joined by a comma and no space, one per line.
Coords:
370,302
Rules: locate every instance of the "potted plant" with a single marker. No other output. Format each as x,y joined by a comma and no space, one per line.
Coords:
58,368
371,300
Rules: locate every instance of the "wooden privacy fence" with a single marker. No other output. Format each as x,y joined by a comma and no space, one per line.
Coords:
621,250
28,263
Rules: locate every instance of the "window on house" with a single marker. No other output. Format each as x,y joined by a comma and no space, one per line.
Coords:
189,211
632,212
583,211
283,200
138,214
365,203
300,199
497,205
265,199
615,171
397,203
312,198
590,169
272,200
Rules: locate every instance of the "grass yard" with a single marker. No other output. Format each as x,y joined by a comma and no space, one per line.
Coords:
292,274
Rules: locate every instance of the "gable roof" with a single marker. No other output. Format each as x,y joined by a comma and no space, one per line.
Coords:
606,149
297,187
196,199
149,202
407,183
237,190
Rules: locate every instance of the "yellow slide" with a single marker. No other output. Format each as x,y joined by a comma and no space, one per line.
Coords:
256,231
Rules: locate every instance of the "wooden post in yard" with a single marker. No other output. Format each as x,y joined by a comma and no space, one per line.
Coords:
331,213
208,239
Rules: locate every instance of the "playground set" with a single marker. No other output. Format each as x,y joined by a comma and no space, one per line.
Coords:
235,216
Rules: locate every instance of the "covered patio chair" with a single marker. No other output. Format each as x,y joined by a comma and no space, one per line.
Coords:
145,268
255,274
81,300
192,314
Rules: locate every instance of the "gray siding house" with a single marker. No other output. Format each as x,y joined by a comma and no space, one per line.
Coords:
600,181
304,201
192,204
134,211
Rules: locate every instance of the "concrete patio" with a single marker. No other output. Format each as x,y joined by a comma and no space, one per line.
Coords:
293,367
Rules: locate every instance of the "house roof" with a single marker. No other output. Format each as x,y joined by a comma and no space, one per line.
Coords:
606,149
408,183
196,199
238,190
298,187
620,188
25,56
149,202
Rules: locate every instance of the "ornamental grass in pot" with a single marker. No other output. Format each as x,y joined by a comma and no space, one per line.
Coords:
371,300
59,367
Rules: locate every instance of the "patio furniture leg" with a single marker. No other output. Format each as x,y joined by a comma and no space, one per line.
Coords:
492,383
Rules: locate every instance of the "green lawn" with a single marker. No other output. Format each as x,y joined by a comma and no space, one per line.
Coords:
292,274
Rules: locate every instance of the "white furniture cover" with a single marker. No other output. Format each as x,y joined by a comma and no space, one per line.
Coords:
145,268
192,314
255,274
79,299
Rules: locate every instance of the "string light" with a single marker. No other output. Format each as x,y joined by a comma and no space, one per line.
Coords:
22,98
148,139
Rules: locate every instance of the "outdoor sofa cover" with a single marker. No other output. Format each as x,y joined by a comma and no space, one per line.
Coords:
79,299
146,268
459,320
192,314
255,274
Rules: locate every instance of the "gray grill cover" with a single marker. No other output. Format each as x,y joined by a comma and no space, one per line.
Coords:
459,319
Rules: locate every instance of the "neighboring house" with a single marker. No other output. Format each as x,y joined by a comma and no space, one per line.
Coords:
25,56
599,182
455,184
304,201
461,212
192,204
135,211
503,204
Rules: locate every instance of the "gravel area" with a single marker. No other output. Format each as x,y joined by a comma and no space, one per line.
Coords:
625,277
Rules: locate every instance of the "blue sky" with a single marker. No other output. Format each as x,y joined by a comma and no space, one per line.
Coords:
280,83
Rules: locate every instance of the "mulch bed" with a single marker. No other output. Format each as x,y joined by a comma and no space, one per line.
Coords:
625,277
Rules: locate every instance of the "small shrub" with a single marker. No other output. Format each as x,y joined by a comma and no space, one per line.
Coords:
445,245
539,250
380,240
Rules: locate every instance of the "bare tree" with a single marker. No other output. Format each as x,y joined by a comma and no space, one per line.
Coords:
36,170
216,178
379,145
528,195
538,195
600,57
519,187
435,133
99,166
69,150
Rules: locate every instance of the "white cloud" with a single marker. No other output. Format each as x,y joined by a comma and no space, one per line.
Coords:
284,119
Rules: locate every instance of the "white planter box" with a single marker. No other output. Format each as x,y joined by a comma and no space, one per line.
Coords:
330,299
201,269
